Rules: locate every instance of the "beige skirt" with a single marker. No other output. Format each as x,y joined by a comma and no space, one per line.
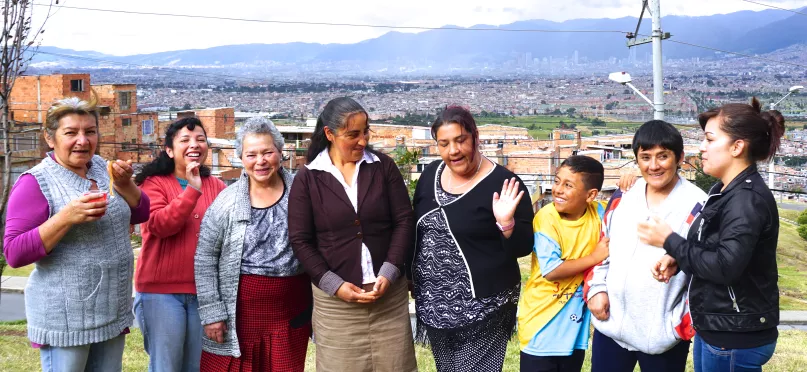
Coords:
364,337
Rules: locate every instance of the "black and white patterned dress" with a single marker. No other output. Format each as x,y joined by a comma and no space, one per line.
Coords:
465,333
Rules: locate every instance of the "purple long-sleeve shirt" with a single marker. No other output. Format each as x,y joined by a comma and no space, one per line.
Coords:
27,209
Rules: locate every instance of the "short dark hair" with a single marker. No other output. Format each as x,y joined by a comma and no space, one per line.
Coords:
658,133
459,115
591,169
762,130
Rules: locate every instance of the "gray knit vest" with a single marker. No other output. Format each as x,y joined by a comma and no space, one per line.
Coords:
81,293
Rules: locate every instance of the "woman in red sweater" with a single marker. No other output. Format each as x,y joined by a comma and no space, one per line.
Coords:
181,189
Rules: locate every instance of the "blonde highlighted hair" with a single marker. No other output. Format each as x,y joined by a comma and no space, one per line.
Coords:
67,106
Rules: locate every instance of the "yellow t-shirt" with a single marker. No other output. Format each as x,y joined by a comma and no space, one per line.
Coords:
556,240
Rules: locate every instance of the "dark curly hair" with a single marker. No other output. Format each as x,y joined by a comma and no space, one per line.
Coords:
164,164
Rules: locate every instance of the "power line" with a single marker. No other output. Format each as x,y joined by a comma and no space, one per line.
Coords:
309,23
775,7
737,53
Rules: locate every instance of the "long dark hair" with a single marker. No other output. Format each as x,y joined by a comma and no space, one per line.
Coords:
164,164
333,116
762,130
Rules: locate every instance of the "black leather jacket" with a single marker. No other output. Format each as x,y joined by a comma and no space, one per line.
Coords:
730,251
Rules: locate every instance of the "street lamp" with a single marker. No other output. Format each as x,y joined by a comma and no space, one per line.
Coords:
624,79
793,90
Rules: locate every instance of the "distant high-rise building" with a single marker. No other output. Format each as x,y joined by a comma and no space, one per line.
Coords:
575,57
528,59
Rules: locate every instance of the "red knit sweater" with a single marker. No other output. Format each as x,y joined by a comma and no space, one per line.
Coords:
165,264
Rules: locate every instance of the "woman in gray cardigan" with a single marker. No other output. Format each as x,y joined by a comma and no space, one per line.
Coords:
254,299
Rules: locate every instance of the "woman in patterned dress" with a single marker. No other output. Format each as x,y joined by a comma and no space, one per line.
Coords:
473,223
254,299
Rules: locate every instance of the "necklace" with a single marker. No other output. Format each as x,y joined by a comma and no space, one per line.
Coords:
451,180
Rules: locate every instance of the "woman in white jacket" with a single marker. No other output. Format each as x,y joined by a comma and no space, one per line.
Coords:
636,317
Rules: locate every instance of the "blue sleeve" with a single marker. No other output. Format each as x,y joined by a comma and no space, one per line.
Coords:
547,251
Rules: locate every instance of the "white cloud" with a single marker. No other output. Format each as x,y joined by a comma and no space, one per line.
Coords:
124,34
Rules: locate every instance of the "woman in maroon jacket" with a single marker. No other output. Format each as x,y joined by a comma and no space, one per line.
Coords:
351,227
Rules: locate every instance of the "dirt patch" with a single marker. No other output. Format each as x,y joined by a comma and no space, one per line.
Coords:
13,332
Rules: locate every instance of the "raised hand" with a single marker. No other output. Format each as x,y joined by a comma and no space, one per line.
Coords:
122,172
653,232
626,181
193,175
505,203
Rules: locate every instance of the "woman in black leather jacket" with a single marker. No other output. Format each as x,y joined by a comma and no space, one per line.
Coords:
730,249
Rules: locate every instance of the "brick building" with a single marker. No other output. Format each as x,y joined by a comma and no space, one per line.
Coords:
120,125
123,129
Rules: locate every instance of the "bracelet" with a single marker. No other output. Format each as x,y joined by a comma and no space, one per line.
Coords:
507,227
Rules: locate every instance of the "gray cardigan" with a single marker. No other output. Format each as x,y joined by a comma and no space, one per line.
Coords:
217,263
81,293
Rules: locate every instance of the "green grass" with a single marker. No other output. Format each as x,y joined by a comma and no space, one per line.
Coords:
20,271
789,214
17,355
544,124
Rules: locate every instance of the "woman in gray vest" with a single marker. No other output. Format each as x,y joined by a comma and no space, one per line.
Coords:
78,300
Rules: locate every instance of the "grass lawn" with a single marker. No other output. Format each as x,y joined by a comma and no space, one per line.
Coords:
16,354
789,214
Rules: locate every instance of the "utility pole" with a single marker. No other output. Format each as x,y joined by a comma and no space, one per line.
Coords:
658,77
656,37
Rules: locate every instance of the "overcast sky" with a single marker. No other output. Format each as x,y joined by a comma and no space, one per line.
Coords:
125,34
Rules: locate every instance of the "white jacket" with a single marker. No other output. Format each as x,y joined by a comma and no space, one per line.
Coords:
645,315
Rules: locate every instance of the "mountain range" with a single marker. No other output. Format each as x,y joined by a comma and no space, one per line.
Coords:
745,31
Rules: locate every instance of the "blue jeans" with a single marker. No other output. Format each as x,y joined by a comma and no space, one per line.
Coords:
710,358
101,357
172,330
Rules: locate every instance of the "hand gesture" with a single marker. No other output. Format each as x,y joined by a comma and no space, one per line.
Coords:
81,210
504,204
122,172
600,306
193,175
216,331
350,293
664,269
601,251
654,232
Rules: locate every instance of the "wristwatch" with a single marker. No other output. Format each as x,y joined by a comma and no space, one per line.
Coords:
506,227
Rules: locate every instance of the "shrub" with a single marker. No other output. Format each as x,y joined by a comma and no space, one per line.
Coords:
802,231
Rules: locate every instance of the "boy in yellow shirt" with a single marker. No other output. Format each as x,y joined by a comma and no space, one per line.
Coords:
553,321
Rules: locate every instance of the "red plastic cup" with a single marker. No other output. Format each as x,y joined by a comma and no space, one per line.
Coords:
101,197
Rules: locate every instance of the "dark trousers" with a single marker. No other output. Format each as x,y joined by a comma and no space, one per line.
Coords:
571,363
608,356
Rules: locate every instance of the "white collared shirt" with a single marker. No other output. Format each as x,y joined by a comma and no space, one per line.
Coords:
324,163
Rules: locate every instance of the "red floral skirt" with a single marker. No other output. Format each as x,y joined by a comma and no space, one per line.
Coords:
273,325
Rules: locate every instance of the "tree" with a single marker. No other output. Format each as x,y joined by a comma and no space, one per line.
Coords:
405,159
18,45
703,180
